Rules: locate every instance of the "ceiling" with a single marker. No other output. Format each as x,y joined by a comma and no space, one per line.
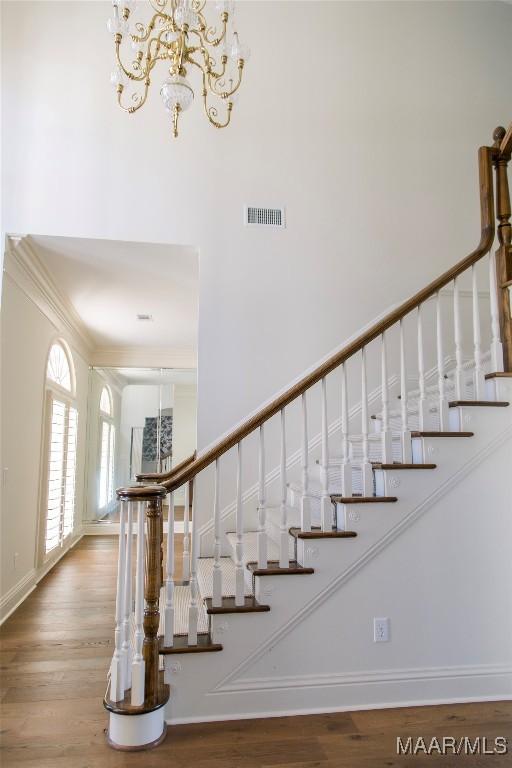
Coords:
109,282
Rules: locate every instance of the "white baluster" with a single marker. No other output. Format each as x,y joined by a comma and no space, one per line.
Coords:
239,546
406,434
193,611
127,651
457,332
366,467
118,667
423,410
169,578
305,504
346,467
441,381
477,349
496,345
217,569
138,662
326,505
387,450
185,572
262,516
283,529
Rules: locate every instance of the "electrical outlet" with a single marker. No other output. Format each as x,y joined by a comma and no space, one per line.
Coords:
381,630
15,560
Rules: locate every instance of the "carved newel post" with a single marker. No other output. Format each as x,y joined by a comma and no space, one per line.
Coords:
153,583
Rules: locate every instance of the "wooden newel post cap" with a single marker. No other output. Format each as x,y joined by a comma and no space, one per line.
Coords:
142,493
498,135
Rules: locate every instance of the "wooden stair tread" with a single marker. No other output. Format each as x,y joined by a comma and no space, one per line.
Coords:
363,499
204,645
484,403
404,466
125,707
499,375
317,533
273,569
442,434
250,605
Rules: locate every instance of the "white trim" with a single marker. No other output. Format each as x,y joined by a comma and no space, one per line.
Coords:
144,357
371,676
28,272
324,710
368,555
20,591
399,703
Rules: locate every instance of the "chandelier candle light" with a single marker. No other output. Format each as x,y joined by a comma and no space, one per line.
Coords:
178,34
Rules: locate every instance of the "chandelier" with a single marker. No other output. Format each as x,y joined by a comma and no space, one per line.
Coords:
179,35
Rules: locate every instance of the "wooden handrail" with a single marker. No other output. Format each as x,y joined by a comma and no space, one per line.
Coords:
487,231
157,477
505,138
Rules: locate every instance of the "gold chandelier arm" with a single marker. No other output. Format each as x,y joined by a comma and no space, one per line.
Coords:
158,5
211,111
215,83
145,31
214,41
198,6
212,114
138,99
212,73
127,72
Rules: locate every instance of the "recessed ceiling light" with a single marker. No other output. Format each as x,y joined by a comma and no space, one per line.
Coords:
144,317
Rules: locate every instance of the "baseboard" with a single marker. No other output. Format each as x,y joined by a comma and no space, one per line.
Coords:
20,591
349,708
17,594
380,689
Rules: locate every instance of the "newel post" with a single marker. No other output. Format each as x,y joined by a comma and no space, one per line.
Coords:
504,252
152,586
136,713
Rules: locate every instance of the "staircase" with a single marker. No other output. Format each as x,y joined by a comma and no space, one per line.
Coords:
325,478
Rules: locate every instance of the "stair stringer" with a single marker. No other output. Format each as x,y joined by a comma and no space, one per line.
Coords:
202,686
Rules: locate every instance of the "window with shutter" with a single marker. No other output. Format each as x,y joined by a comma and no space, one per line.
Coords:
62,446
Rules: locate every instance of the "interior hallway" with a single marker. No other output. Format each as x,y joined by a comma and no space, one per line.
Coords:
55,652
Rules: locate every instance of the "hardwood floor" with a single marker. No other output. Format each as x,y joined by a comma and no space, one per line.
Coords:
54,655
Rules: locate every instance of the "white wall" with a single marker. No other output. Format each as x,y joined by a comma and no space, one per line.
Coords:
372,149
184,438
27,334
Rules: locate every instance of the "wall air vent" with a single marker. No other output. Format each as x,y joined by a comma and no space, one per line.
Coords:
144,317
264,217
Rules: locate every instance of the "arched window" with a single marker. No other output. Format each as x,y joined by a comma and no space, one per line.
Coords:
106,402
58,369
107,449
62,427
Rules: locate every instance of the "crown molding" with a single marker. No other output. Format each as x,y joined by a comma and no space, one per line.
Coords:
24,267
144,357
